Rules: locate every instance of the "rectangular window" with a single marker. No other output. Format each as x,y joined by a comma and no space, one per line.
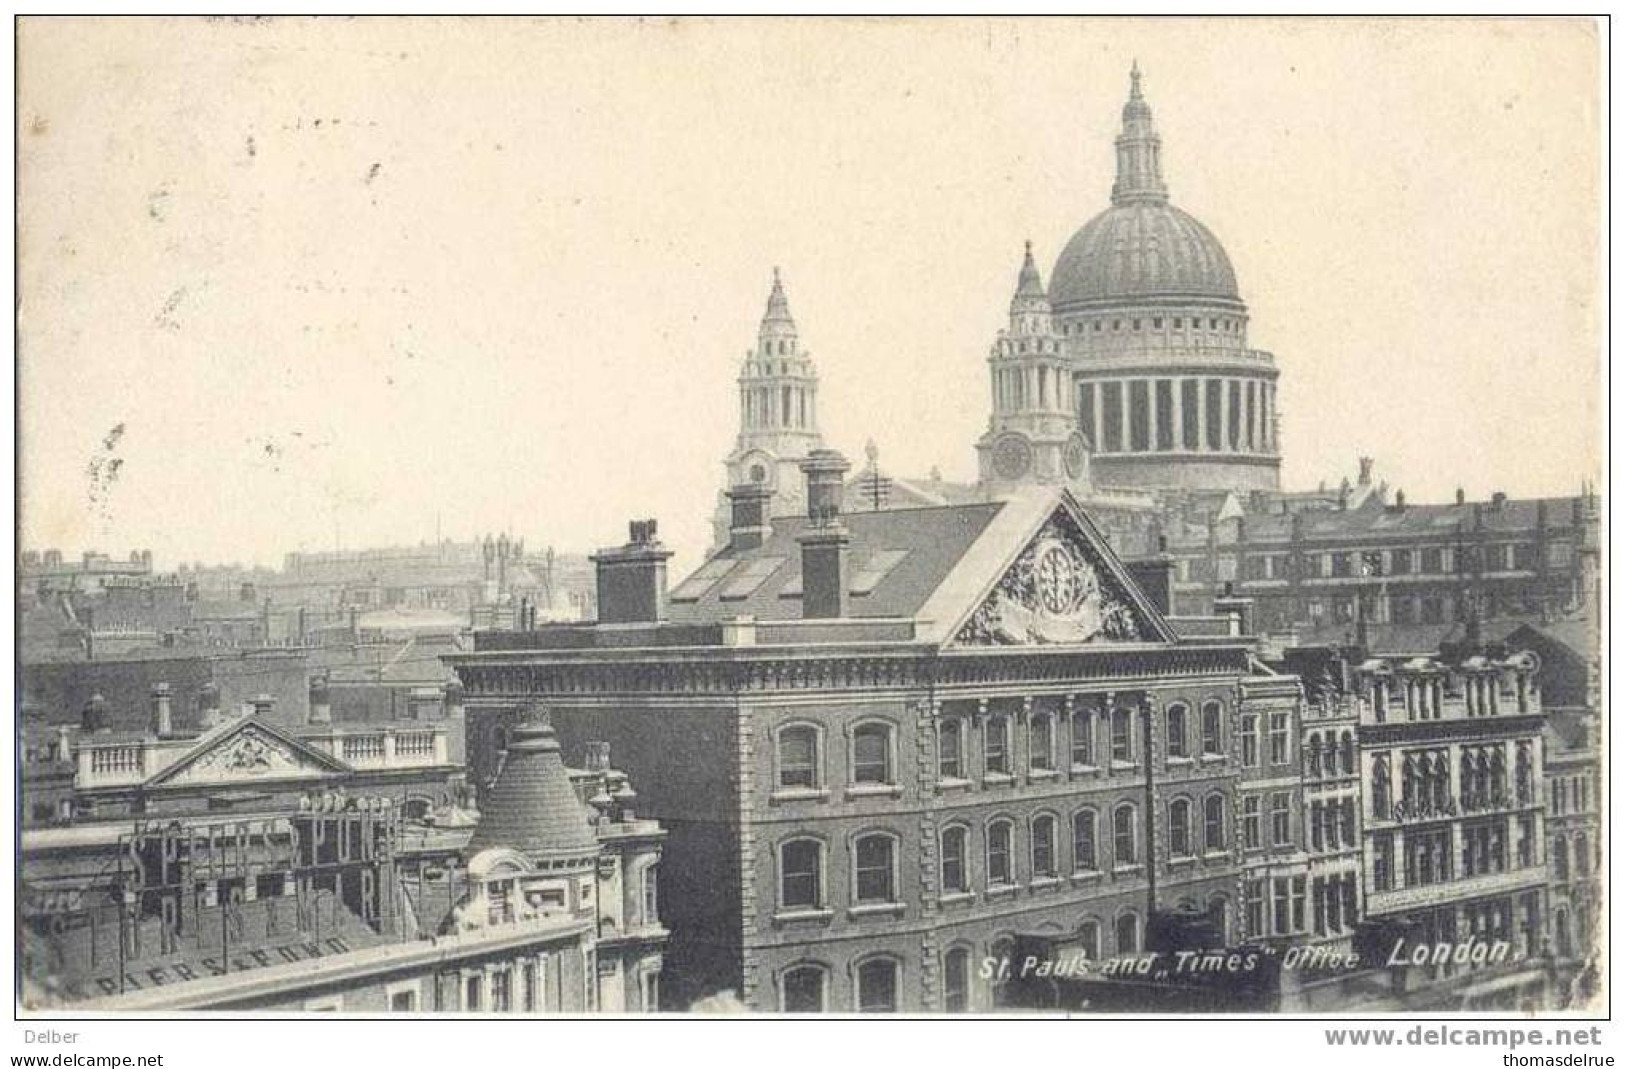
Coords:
1083,739
1299,896
1255,908
1111,399
1281,818
1214,407
1283,905
473,990
874,869
501,991
1083,842
1165,414
403,998
798,757
1086,408
1041,744
1382,868
998,745
1122,737
1139,416
1188,418
1252,822
1249,740
950,749
1279,736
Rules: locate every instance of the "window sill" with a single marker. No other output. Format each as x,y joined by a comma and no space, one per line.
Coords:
997,779
1216,855
953,783
1001,890
1182,861
1180,762
1212,759
876,909
1039,775
1085,770
1127,870
954,898
1044,883
874,790
1088,876
1124,766
798,794
803,916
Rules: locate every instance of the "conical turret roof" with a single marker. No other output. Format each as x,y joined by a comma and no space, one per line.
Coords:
532,807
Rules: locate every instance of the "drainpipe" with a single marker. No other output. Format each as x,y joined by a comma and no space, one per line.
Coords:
1150,823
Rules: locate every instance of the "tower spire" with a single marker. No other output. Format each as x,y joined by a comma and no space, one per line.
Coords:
1139,151
777,317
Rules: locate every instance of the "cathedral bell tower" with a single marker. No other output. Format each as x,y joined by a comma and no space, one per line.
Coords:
1033,435
778,415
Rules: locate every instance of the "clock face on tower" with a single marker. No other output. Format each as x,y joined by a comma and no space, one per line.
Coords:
1076,456
1012,456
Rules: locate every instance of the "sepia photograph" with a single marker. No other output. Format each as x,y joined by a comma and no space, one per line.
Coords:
780,517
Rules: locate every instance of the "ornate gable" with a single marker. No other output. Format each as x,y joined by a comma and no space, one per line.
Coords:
1065,588
247,752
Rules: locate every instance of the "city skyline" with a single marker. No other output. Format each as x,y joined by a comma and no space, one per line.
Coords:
262,369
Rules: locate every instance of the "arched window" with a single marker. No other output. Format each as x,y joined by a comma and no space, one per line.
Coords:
1560,857
1043,845
1582,855
1123,851
1084,858
877,986
1128,934
956,980
1041,743
1348,753
951,749
1178,742
801,874
1089,939
999,834
874,858
955,880
802,989
1122,736
1314,756
798,758
1213,822
1179,828
1212,728
1218,910
871,754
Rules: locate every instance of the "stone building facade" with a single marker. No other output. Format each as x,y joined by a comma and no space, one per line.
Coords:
886,745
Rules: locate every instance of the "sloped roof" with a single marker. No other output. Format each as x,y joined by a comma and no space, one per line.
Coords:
935,540
932,565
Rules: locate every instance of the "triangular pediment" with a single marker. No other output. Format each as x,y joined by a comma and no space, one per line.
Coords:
245,752
1065,586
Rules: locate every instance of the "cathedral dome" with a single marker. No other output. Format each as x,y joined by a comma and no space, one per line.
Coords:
1145,248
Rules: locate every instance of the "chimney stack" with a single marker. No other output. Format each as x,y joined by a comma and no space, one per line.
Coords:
208,706
1239,609
632,578
749,526
163,724
1461,496
1155,576
262,703
824,543
321,706
452,704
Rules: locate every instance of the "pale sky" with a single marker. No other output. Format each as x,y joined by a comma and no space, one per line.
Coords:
358,281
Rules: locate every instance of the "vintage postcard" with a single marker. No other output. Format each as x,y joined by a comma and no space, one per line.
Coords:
531,516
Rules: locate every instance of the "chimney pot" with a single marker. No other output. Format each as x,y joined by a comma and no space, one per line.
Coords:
321,704
824,544
263,704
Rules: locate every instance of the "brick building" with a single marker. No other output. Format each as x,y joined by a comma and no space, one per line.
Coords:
886,745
